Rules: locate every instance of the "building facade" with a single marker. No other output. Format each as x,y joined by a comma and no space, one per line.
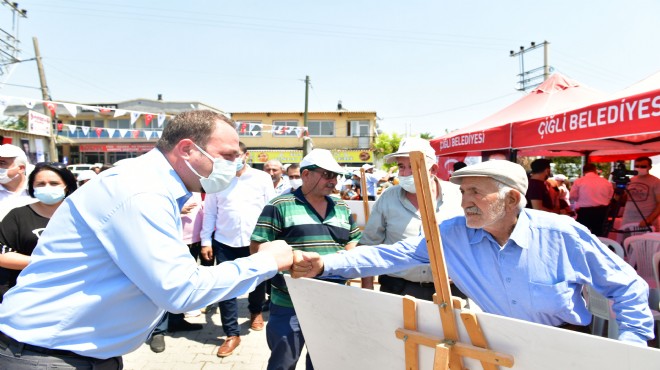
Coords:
109,132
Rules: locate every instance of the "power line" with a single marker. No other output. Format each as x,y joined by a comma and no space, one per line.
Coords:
451,109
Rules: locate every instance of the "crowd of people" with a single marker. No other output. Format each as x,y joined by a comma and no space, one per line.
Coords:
191,224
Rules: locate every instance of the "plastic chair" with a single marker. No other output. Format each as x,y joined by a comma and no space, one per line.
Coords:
631,229
641,249
613,245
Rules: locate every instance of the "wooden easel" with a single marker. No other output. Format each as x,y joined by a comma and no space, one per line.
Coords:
448,350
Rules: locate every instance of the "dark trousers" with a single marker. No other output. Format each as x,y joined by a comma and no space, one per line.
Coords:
15,355
593,218
399,286
285,339
229,308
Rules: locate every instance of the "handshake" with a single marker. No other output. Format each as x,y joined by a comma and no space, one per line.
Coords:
298,263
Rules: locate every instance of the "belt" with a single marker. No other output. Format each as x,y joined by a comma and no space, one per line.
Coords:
573,327
418,283
9,341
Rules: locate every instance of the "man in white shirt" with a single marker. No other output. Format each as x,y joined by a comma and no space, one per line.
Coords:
591,195
372,181
274,169
232,215
13,179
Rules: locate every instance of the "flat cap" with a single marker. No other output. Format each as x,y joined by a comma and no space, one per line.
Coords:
508,173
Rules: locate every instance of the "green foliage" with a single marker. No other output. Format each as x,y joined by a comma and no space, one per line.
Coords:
426,135
13,123
386,144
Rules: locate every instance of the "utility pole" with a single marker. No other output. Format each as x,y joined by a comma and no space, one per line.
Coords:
9,41
306,139
527,77
45,95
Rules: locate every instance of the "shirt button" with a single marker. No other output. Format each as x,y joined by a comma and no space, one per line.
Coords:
514,302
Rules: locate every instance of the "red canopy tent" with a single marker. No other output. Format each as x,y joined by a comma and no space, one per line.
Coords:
623,126
558,93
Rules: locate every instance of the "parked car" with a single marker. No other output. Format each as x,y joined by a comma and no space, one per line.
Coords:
76,169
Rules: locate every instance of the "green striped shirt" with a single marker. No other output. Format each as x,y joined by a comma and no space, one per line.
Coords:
291,218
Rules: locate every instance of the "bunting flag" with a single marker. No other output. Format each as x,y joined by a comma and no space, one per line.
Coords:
111,131
72,128
161,119
147,118
159,133
92,108
85,130
122,132
119,112
52,108
60,126
243,126
29,103
134,117
105,111
135,133
99,131
147,134
71,108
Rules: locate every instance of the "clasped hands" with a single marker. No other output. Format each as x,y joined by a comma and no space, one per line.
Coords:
298,263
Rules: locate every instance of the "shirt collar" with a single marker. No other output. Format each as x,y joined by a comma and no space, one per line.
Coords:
519,236
172,181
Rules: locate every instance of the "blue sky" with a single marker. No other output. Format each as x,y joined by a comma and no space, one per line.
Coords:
423,66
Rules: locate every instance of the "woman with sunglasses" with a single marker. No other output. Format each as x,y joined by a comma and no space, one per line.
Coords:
49,183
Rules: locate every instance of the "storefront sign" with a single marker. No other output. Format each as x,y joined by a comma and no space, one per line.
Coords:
295,156
39,124
103,148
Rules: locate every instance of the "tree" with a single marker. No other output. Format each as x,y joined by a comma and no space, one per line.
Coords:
426,135
13,123
386,144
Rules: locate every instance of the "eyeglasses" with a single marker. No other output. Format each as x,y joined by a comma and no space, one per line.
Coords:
58,165
641,166
328,175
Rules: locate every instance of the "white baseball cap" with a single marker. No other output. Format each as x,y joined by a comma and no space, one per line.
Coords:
321,158
86,175
412,144
509,173
11,151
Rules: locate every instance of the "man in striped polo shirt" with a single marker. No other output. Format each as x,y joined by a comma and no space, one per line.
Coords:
308,219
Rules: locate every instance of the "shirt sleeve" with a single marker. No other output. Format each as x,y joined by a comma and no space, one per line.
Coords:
376,260
612,277
374,231
143,238
269,225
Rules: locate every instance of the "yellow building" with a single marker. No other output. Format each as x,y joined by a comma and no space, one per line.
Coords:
282,135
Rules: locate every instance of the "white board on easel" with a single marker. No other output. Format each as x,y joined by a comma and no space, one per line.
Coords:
350,328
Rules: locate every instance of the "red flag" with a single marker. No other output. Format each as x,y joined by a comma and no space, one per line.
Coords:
51,107
60,126
136,133
147,118
243,127
98,131
105,110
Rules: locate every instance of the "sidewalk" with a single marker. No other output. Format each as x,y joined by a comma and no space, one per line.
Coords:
196,350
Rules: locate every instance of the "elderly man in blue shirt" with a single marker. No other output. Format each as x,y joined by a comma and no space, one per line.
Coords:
511,261
112,261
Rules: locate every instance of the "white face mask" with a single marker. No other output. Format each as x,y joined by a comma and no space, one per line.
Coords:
4,177
295,183
408,183
49,194
221,175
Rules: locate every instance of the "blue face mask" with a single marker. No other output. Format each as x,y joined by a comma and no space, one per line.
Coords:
49,194
239,165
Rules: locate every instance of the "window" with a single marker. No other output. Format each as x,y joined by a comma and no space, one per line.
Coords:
358,128
285,128
248,128
119,123
321,128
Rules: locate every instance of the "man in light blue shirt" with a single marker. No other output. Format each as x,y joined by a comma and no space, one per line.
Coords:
111,261
511,261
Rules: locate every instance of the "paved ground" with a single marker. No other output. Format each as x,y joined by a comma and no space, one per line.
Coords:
197,349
